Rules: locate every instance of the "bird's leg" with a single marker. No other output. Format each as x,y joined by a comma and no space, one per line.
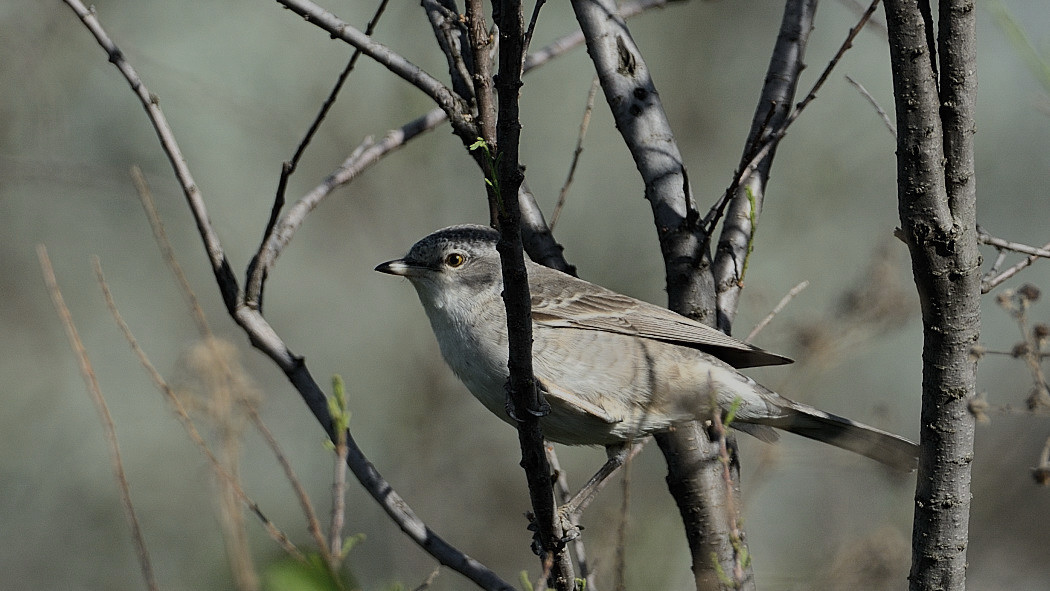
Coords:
618,454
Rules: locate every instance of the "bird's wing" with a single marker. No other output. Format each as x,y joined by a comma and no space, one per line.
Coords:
576,403
563,301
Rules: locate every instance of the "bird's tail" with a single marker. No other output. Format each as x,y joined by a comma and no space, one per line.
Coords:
892,450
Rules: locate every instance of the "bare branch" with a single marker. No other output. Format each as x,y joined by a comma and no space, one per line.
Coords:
266,339
451,34
91,381
772,117
223,274
575,153
986,238
539,242
993,278
525,398
878,109
784,301
288,168
391,60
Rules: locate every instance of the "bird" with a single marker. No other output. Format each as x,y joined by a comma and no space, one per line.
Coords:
613,369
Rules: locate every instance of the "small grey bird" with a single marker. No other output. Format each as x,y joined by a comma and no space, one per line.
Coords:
613,369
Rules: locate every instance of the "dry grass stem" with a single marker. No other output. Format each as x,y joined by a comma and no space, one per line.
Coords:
187,422
88,373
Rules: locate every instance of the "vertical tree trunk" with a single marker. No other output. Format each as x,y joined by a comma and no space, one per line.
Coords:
937,201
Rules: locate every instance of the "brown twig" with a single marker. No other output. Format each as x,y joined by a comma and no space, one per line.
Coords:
784,301
91,381
564,493
878,109
584,124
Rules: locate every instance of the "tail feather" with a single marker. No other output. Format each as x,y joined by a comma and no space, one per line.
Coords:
892,450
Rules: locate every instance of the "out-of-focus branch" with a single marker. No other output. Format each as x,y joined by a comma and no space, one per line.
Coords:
91,381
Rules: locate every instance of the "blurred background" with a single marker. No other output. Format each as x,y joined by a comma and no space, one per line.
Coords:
240,86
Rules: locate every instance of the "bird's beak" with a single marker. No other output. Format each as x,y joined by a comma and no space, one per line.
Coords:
396,267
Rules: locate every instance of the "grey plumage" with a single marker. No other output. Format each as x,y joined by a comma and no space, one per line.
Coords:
614,369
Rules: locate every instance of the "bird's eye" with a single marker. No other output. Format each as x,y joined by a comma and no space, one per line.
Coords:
455,259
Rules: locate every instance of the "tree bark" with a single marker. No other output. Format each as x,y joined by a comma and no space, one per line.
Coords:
937,201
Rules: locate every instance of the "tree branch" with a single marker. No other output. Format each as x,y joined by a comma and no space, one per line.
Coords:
524,393
263,337
771,116
694,470
937,201
452,105
538,240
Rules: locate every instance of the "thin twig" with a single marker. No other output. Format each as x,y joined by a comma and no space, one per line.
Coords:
773,139
561,488
846,45
584,124
991,280
91,381
784,301
987,238
532,25
288,167
621,529
878,109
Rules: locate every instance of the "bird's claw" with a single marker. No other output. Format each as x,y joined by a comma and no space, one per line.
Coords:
542,410
570,531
